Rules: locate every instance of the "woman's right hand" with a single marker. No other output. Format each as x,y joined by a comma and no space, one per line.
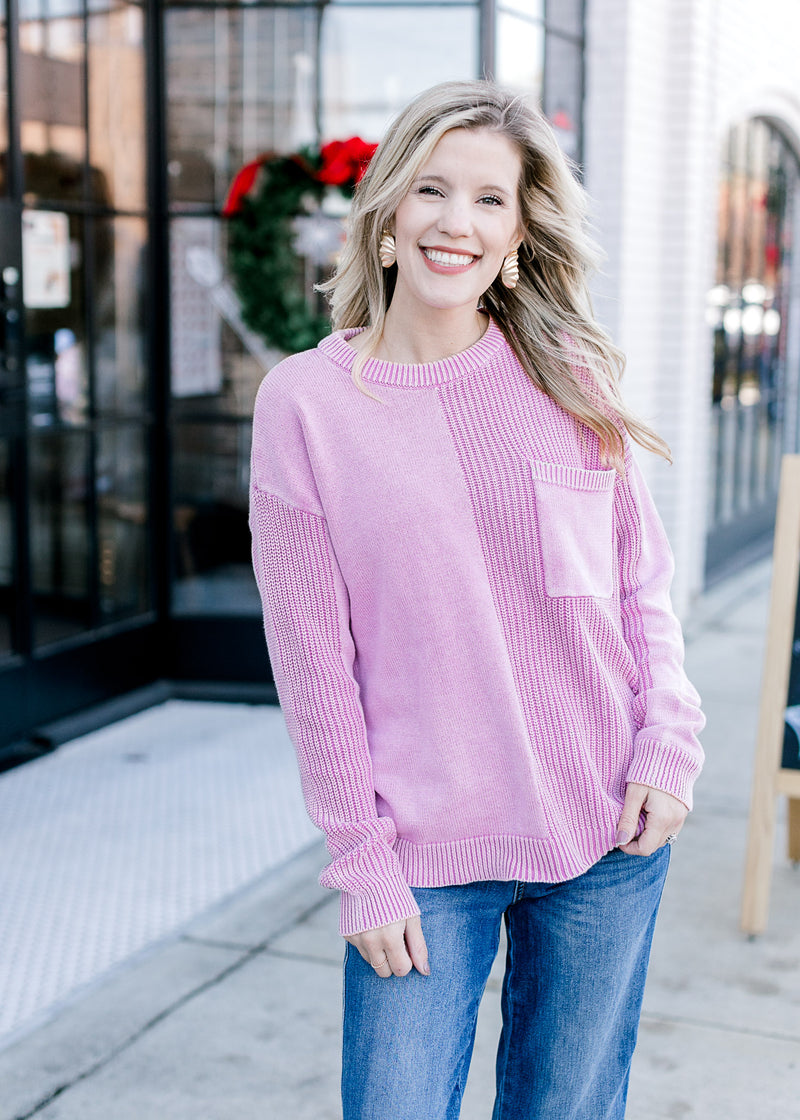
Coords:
395,949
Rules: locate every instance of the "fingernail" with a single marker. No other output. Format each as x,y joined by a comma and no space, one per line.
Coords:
623,837
426,971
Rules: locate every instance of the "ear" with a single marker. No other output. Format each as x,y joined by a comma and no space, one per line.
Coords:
517,240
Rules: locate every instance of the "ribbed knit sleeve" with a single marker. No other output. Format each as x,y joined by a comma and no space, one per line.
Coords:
667,754
306,621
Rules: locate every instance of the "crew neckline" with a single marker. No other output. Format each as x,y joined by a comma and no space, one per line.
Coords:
337,347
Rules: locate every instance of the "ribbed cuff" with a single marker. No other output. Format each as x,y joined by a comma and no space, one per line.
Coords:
664,767
382,902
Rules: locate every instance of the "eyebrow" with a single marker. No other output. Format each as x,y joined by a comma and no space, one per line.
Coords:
445,181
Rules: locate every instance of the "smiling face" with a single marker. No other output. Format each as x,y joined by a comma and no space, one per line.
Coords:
457,223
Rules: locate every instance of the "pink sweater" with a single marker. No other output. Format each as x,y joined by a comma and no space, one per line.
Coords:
469,623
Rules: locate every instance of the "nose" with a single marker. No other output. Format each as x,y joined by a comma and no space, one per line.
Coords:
455,218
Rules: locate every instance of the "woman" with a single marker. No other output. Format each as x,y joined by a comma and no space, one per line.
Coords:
465,589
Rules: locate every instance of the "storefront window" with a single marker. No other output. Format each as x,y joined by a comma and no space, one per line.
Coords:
562,97
212,537
84,289
234,79
520,52
53,256
60,535
374,60
118,303
51,104
753,313
540,53
123,574
116,102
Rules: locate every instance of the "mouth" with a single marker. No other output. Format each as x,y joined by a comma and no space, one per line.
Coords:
442,259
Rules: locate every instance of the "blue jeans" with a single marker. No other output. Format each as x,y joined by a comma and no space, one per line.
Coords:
572,994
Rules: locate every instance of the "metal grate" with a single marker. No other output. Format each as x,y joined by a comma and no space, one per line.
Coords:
125,834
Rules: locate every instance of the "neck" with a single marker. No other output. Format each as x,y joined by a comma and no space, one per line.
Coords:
431,338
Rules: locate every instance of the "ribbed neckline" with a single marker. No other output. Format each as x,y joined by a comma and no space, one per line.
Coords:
336,346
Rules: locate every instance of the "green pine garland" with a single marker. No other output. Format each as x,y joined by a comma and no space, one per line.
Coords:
267,272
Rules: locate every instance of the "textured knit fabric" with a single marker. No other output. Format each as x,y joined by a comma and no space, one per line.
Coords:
468,620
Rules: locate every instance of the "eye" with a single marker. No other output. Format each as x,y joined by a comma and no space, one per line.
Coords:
492,200
428,190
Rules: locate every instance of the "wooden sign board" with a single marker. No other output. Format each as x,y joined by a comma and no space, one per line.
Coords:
777,762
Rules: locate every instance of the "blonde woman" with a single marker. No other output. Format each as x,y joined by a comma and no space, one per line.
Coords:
465,588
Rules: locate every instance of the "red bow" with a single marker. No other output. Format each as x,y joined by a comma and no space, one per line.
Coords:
242,185
344,161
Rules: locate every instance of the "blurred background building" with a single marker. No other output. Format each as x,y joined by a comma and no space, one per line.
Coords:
126,393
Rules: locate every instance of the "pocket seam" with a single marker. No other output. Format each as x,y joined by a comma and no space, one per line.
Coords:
575,478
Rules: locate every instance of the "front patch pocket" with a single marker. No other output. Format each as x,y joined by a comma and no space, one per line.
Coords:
575,516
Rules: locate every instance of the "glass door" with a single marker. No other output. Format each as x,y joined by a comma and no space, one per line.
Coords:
78,614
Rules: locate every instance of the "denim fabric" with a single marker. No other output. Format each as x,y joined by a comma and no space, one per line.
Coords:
575,971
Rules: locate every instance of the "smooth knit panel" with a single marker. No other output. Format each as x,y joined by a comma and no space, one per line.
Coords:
468,619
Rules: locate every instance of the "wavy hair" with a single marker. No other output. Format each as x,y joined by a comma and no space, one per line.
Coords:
547,318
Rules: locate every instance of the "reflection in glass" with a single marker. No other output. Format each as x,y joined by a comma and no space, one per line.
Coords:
60,550
53,250
117,102
212,539
118,306
756,330
212,371
376,60
520,54
51,70
6,552
563,92
232,93
121,481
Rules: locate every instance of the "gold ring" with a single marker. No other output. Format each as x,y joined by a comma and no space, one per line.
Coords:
380,964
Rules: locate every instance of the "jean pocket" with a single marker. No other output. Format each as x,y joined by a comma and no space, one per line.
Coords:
575,518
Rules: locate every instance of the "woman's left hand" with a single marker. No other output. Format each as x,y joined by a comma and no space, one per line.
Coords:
664,816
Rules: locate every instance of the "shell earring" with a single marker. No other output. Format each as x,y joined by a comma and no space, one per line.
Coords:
509,273
387,250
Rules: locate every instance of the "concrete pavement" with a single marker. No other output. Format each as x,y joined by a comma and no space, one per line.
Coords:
236,1015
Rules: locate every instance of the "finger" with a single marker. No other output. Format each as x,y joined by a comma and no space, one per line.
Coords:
635,795
415,944
376,945
384,949
380,965
399,960
645,843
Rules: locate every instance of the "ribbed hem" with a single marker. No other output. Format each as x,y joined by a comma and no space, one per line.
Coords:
336,347
664,768
501,858
472,860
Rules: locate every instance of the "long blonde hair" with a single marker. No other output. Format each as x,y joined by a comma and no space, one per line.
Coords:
547,319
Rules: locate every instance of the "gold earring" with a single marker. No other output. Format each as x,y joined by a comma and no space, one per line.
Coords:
387,249
509,273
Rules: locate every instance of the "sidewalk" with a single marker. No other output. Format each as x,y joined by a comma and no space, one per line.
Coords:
237,1017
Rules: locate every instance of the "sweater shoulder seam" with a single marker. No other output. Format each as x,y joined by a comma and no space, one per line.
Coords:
285,502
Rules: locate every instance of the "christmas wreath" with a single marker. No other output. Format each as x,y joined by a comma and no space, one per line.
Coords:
281,209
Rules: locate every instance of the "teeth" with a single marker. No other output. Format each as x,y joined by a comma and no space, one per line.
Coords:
451,259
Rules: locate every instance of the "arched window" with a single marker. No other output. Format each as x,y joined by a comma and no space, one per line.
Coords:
753,309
